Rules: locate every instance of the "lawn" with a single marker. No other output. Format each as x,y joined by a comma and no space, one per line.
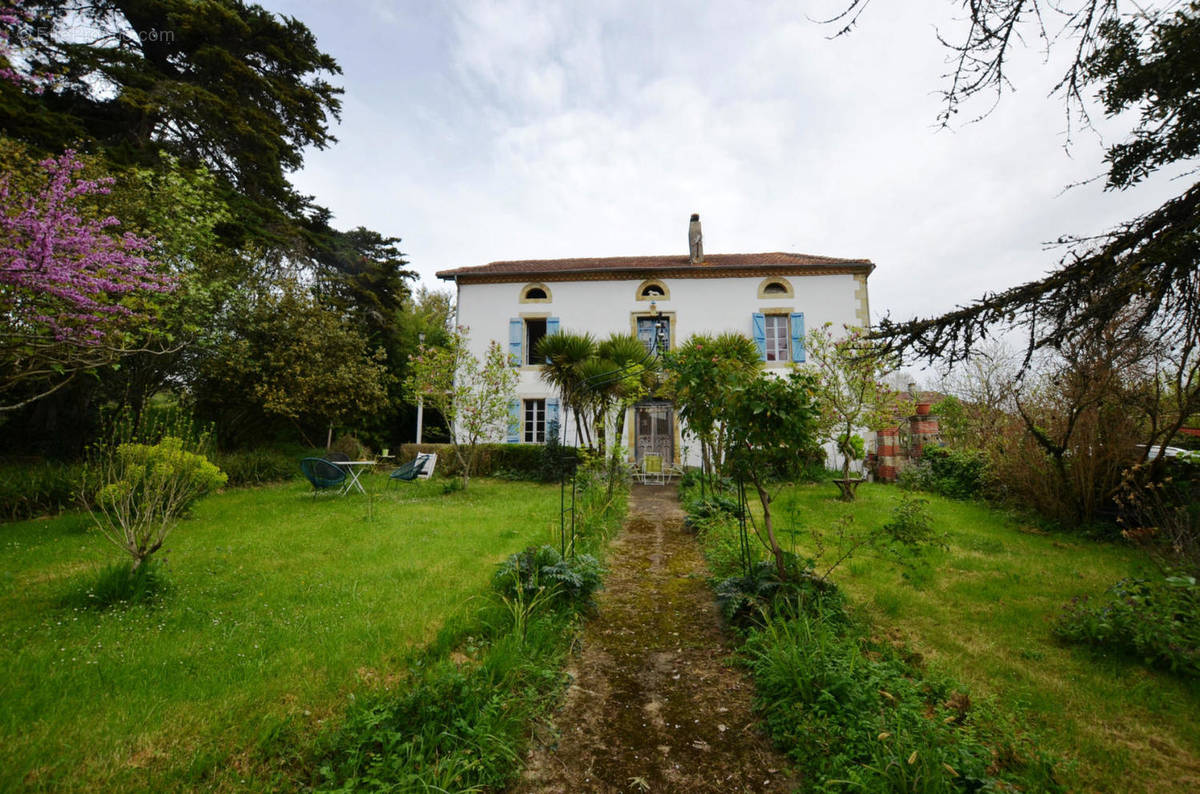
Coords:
984,616
281,608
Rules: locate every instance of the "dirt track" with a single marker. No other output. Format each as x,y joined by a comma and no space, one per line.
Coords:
654,705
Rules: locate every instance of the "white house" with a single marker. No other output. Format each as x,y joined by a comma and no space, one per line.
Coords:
770,297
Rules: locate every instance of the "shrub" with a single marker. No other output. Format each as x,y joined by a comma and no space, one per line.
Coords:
120,584
256,466
515,461
1159,622
753,598
570,581
959,474
145,490
351,447
35,489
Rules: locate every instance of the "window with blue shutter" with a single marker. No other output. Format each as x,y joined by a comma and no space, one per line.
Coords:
758,322
798,337
516,335
552,420
514,420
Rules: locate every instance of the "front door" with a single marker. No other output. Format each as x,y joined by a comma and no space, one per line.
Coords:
653,430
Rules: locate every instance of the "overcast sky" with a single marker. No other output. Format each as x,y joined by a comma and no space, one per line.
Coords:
482,131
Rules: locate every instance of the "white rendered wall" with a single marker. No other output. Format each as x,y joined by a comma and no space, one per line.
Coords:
695,305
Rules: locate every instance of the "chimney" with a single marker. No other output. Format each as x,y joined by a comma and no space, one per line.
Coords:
695,241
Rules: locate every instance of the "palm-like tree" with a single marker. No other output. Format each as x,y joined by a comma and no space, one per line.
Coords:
565,354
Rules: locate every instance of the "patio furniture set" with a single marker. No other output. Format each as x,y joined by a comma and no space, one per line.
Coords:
332,473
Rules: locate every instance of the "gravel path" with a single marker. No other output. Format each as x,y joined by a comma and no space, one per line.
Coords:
654,705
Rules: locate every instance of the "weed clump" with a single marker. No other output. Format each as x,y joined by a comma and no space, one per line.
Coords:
1156,621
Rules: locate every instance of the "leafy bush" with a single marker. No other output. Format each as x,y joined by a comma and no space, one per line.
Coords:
753,598
857,715
515,461
959,474
257,466
1158,622
573,580
35,489
351,447
709,507
145,490
120,584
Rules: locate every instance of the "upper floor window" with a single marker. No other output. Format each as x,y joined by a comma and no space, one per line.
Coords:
535,293
775,287
652,290
535,331
655,333
778,335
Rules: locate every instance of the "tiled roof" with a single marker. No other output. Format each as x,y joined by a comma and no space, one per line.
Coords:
656,263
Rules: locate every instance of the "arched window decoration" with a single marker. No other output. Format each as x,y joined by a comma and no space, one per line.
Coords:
653,290
535,293
775,287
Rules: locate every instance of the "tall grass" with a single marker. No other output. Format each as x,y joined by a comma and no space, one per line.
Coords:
461,721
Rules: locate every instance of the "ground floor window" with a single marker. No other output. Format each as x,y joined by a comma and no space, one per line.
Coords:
535,421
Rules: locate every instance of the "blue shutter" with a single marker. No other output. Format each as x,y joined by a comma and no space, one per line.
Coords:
516,335
514,421
798,337
552,421
759,325
551,329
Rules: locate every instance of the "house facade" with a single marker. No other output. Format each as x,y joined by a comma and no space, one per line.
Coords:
769,297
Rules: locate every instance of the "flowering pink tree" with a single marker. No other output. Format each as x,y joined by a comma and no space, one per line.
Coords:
71,289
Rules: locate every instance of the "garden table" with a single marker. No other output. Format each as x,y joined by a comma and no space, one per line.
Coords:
354,470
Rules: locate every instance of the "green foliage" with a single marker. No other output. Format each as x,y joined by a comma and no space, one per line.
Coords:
290,358
702,374
530,462
573,580
256,466
28,490
850,371
751,599
453,728
1156,621
145,490
472,395
959,474
853,712
121,584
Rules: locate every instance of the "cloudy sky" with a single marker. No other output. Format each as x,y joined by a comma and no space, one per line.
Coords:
481,131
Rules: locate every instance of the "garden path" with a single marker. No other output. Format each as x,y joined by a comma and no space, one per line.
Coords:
654,705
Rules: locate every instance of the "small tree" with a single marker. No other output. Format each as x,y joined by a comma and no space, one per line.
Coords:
772,425
145,490
472,396
851,372
701,373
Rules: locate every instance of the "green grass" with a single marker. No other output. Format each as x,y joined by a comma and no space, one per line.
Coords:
984,616
281,608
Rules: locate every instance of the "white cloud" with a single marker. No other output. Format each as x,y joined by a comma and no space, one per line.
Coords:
496,130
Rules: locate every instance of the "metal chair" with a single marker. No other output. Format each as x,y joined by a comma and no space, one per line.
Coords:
409,471
652,466
323,474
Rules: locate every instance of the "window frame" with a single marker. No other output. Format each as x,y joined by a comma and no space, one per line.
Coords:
533,428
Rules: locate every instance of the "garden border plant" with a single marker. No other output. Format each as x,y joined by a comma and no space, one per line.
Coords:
469,699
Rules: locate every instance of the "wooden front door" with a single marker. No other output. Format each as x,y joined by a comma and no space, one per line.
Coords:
654,430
